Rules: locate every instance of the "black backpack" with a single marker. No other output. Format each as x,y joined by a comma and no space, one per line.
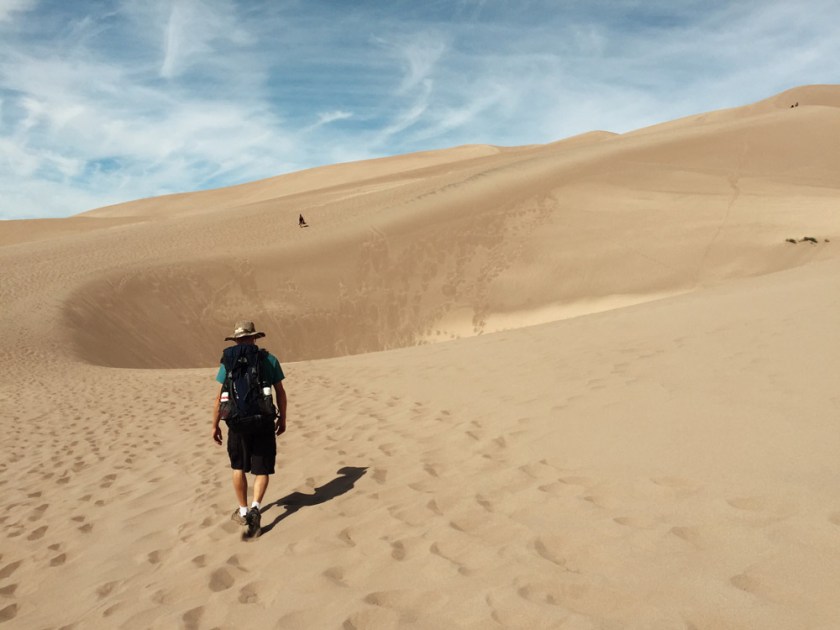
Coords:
245,402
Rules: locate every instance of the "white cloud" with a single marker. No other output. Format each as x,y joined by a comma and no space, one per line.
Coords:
171,51
8,8
328,117
421,56
407,116
195,33
159,143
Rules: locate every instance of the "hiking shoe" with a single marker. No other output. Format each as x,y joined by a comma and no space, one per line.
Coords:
237,518
252,519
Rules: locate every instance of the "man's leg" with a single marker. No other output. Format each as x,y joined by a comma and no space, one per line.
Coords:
260,486
263,454
240,487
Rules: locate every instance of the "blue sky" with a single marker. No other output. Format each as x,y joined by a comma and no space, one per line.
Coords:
113,100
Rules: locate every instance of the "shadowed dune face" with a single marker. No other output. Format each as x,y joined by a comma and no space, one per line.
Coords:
494,241
160,317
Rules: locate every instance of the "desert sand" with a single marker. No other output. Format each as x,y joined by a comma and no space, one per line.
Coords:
587,384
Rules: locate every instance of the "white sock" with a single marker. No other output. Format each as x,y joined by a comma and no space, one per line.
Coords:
255,504
243,511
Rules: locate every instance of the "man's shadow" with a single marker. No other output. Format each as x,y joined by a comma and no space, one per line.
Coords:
349,475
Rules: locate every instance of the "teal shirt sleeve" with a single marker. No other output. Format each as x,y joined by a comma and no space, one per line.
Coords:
221,374
275,371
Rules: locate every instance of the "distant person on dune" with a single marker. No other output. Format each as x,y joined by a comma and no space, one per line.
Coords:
302,222
247,373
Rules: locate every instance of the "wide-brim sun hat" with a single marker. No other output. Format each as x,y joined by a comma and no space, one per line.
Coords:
244,329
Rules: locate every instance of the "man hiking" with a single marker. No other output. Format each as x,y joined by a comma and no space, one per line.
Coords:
247,373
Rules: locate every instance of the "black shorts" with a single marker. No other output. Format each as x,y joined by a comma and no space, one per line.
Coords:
254,452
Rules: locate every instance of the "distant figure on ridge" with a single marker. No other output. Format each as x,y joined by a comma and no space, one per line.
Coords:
247,374
302,222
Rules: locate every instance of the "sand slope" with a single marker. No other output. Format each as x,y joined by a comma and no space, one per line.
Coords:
667,462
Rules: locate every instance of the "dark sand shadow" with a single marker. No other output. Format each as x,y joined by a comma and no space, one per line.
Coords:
348,476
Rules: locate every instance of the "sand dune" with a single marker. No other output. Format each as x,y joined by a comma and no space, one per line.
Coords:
631,423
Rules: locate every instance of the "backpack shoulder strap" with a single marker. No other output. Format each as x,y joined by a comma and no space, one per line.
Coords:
263,359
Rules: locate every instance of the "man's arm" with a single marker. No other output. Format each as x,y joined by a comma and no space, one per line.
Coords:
280,426
217,431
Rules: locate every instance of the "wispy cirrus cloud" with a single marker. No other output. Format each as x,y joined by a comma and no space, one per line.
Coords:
117,100
195,31
8,8
326,118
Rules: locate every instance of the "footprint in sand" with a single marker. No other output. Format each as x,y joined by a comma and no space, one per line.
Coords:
58,560
746,583
192,618
398,550
38,512
9,569
551,548
484,502
344,536
111,610
103,590
9,612
558,489
689,534
636,522
234,562
679,486
577,481
8,591
335,575
220,580
597,501
38,533
437,550
248,594
372,618
162,597
380,475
